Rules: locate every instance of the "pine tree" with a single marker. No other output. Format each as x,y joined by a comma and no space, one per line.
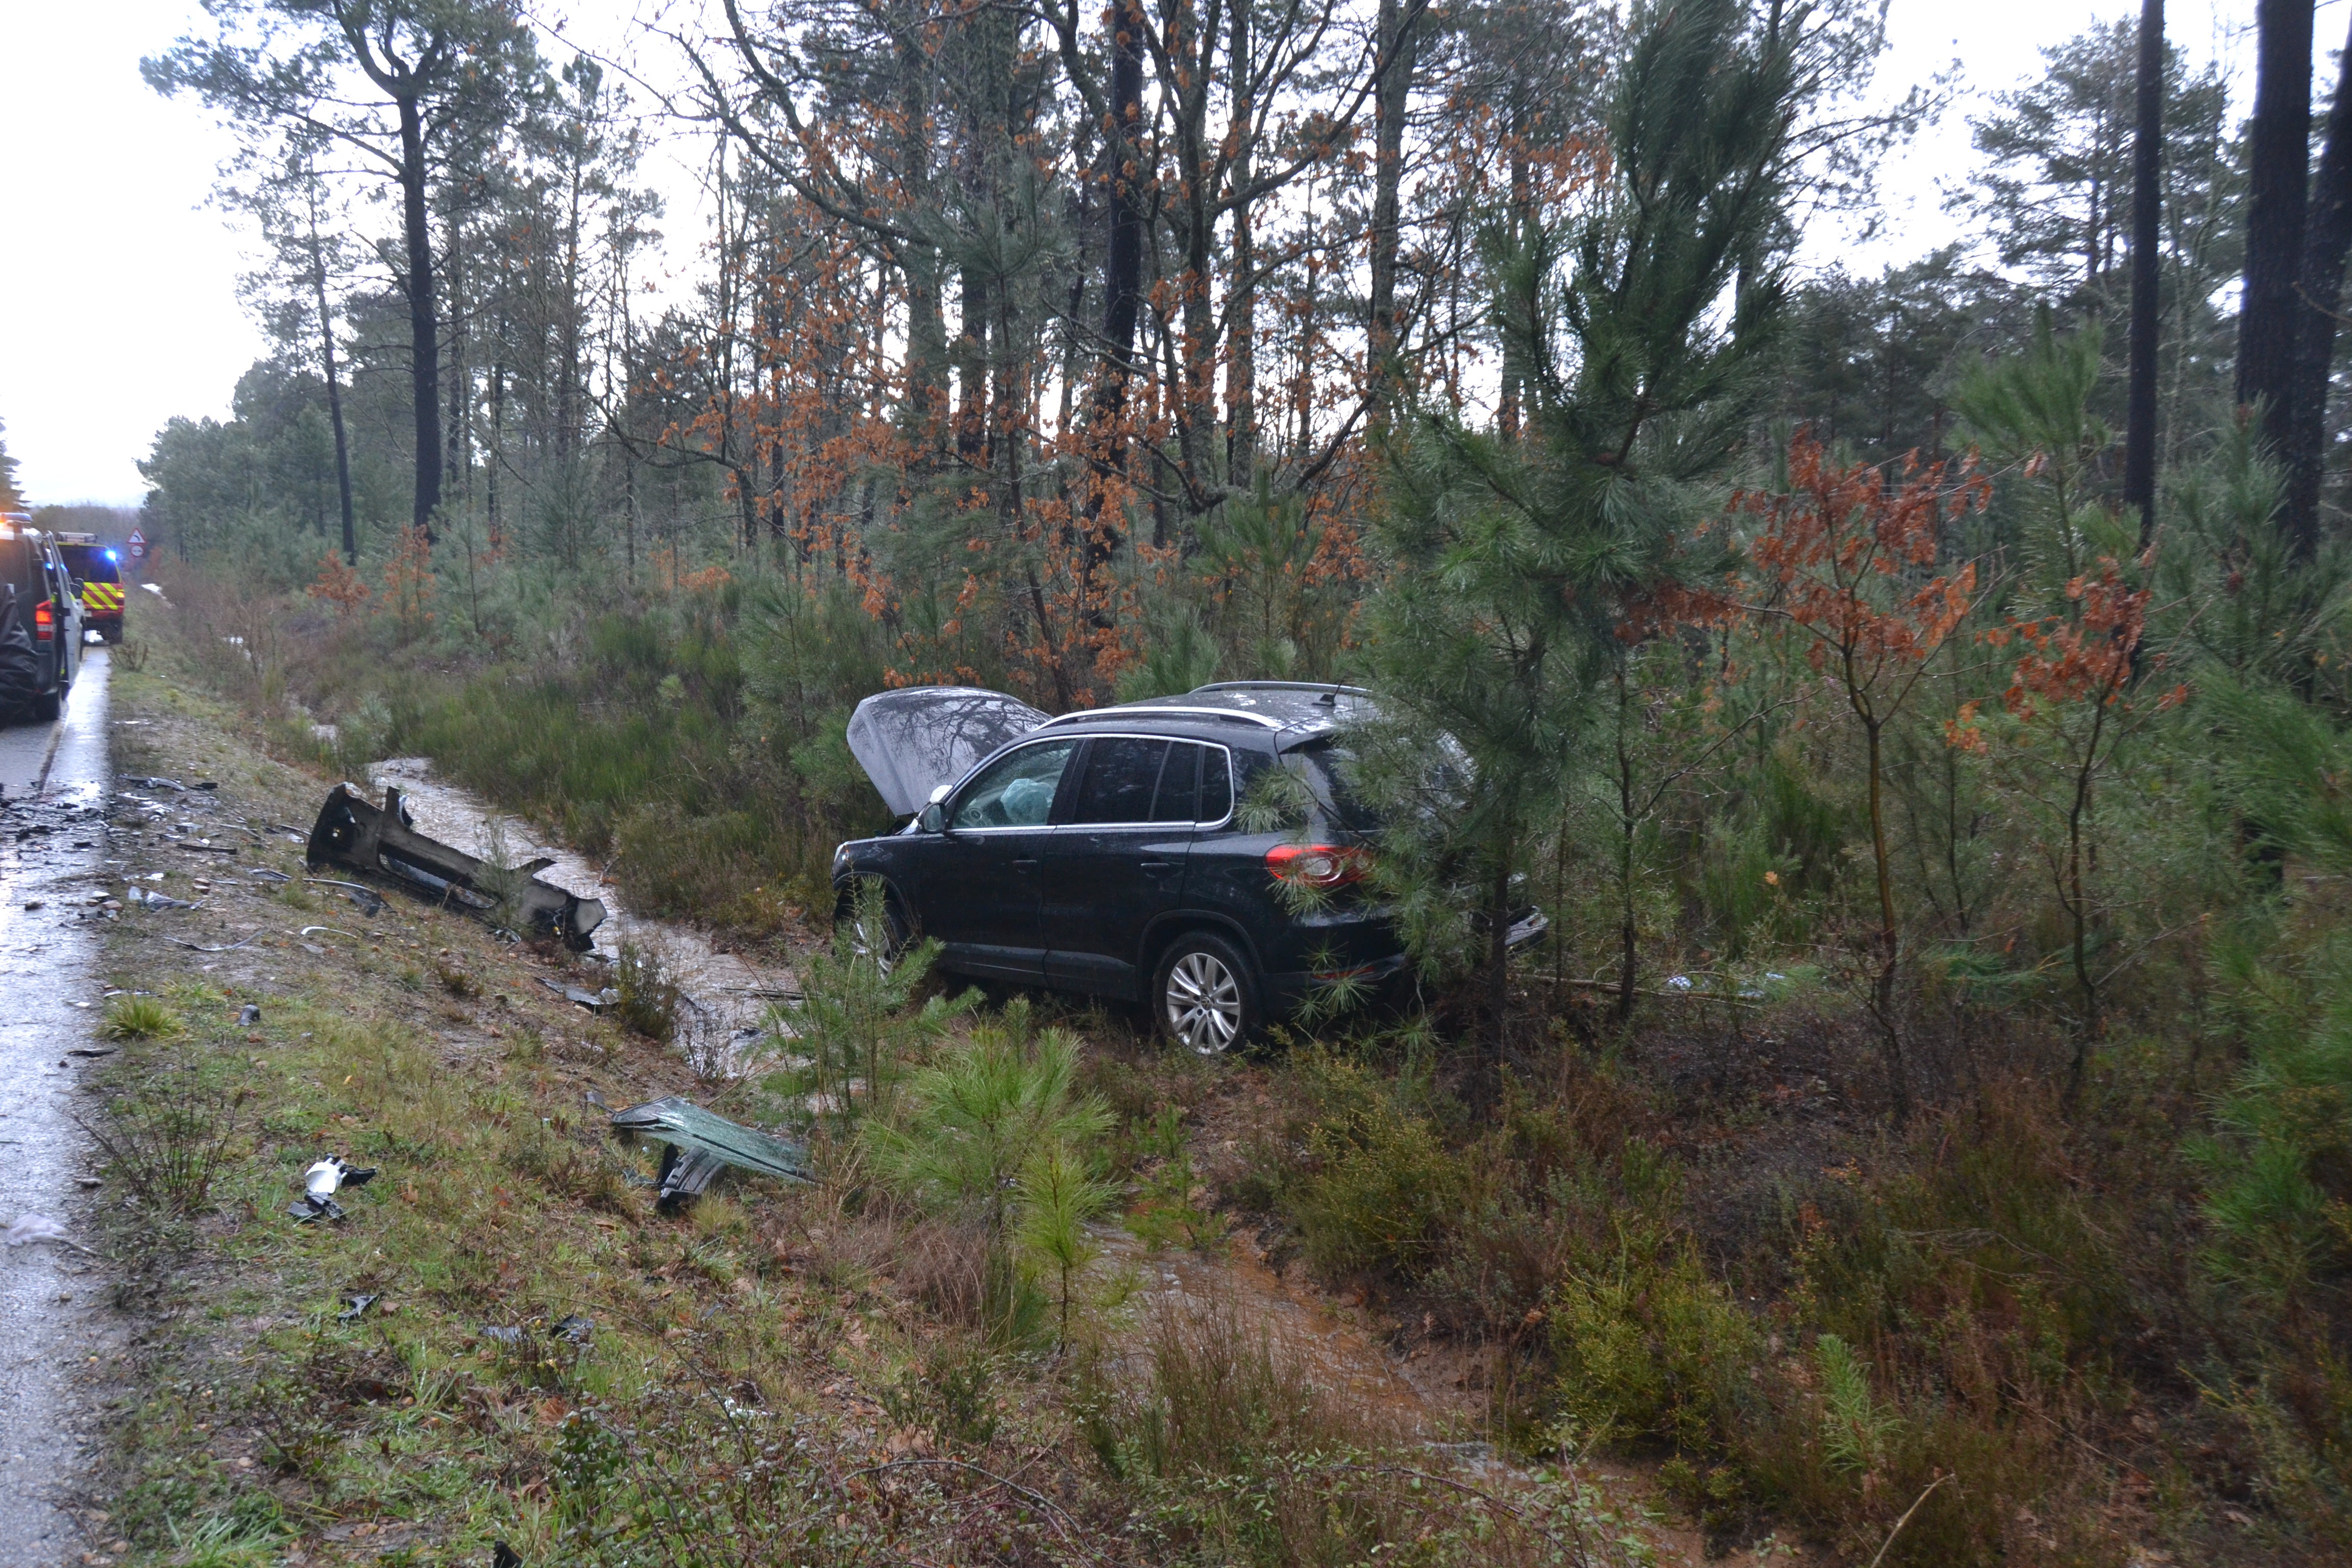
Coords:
1514,567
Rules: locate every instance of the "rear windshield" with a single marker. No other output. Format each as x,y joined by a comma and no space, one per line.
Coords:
1326,768
91,563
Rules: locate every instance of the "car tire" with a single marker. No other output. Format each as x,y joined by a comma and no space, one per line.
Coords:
1204,995
897,935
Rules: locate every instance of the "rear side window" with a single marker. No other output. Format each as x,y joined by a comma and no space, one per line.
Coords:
1180,785
1216,784
1121,772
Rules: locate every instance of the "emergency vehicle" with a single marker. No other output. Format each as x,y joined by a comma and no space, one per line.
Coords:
98,570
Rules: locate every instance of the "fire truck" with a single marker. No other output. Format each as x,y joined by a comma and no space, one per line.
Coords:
96,570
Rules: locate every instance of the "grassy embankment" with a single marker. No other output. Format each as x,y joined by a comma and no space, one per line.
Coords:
823,1374
1700,1242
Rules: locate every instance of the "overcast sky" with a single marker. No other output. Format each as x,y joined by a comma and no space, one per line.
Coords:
118,282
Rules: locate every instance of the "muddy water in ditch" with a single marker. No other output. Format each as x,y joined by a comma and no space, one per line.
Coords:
728,994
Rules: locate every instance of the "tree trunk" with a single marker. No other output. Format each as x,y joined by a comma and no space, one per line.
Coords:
2148,205
1391,98
334,383
1628,930
2327,235
424,329
1241,306
1498,959
2279,169
1123,275
1890,950
1122,280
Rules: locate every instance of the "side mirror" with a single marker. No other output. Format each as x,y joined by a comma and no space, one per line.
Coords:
934,817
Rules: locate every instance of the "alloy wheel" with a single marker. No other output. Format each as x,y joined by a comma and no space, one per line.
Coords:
1204,999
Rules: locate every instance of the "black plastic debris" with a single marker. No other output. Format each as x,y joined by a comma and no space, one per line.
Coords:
264,874
504,1556
370,902
355,1307
698,1144
572,1329
381,841
321,1182
138,781
249,1015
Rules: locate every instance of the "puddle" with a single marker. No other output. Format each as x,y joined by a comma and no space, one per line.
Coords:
727,994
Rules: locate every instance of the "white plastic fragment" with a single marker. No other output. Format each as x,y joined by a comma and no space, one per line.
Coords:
34,1227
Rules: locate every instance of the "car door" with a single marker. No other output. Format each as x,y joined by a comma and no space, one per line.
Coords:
1117,863
977,890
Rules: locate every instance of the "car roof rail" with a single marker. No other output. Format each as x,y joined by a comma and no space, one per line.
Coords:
1331,687
1150,710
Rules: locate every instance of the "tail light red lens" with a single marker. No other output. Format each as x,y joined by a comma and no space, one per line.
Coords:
1316,865
45,620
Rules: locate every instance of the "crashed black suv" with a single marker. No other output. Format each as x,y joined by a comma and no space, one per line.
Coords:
1105,852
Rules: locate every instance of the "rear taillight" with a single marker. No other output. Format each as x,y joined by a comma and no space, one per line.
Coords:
45,620
1315,865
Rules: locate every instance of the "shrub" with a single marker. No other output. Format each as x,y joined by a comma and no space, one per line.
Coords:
1651,1349
168,1139
141,1018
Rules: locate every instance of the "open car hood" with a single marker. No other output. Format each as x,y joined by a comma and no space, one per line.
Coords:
917,738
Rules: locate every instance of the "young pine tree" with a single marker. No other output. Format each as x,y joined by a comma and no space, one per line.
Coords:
1514,565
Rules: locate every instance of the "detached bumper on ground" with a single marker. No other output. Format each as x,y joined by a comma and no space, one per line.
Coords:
379,841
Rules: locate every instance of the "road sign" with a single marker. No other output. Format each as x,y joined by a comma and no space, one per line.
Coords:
138,545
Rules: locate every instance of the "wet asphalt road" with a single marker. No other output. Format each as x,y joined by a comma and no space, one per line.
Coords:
52,841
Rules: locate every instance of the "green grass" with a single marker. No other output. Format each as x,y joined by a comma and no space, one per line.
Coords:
135,1017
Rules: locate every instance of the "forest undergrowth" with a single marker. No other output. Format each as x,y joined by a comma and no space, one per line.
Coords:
2041,1317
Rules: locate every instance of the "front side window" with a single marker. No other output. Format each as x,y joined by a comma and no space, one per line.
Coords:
1015,791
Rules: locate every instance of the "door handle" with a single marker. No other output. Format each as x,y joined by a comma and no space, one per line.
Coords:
1156,868
1029,864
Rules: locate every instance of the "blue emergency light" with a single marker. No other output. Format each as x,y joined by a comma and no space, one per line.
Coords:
112,556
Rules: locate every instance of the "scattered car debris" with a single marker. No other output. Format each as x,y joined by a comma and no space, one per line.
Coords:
504,1556
321,1182
147,900
249,1015
264,874
572,1329
382,841
92,1050
33,1227
697,1144
595,1001
510,1336
138,781
370,902
199,947
355,1307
